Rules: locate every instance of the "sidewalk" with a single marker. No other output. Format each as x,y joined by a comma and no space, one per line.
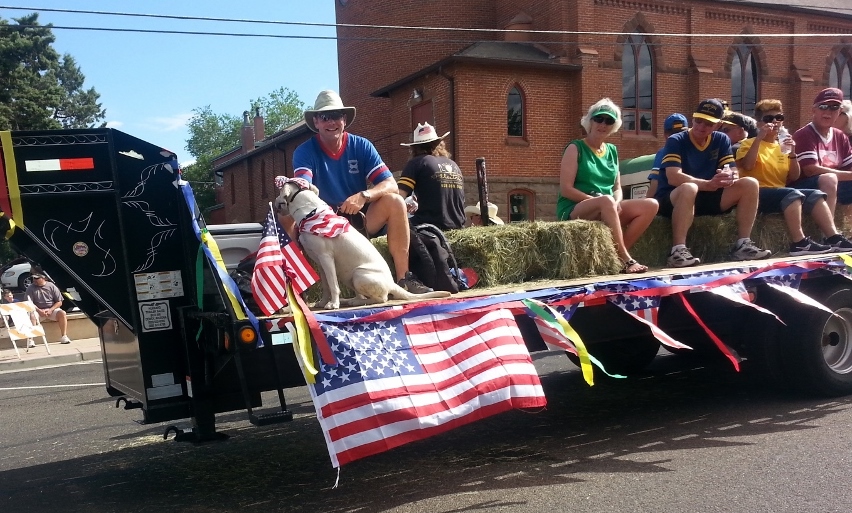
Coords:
76,351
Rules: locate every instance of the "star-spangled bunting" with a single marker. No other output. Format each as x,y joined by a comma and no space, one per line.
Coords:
278,259
409,378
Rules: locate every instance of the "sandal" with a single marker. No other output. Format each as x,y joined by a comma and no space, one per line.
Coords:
633,267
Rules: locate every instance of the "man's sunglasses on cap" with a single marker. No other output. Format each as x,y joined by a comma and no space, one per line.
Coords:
603,119
769,118
828,106
334,115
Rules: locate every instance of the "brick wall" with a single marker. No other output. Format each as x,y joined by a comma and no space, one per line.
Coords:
470,98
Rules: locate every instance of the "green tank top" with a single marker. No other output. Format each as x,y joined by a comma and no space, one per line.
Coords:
594,174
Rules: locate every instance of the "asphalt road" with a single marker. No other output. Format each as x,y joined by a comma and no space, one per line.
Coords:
686,436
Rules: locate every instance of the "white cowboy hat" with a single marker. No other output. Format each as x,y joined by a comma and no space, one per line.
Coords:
474,210
424,133
328,100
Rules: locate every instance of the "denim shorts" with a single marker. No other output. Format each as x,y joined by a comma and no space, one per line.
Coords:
844,189
774,200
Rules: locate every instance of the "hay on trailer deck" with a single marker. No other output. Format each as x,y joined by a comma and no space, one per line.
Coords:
712,237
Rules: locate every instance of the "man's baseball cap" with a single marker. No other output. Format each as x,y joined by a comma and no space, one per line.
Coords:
829,95
677,122
710,109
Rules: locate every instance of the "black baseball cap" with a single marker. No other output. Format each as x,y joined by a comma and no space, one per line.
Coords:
711,110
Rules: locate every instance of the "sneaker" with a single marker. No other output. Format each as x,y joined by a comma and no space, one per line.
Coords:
808,247
838,242
64,340
410,283
748,251
681,257
30,343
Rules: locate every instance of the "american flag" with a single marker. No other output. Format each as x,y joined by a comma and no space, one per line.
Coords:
645,309
277,258
406,379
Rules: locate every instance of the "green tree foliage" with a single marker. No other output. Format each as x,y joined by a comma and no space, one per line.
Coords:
38,88
212,134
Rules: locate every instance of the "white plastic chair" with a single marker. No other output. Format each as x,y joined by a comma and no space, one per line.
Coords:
25,323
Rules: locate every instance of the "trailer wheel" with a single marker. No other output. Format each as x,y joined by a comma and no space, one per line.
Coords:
821,344
624,356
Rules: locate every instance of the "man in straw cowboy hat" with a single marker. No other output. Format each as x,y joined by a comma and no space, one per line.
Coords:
340,164
435,179
474,214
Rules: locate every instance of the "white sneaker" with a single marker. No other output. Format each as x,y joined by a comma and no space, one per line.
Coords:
681,257
748,250
30,343
64,340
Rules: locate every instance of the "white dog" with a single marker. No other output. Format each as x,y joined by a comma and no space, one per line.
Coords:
347,257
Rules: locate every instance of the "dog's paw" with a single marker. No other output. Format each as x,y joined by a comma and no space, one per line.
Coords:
328,305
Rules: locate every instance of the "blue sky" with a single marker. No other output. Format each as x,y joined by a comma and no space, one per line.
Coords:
149,83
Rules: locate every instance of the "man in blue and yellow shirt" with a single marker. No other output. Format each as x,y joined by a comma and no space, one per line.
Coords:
698,176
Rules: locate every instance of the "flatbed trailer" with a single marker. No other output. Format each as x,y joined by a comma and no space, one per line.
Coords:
109,218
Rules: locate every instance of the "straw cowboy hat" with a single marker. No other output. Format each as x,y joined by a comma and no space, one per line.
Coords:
328,100
424,133
474,210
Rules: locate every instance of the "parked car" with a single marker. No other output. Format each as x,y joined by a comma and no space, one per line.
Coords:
16,275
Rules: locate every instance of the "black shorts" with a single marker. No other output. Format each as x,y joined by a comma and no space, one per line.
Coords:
707,203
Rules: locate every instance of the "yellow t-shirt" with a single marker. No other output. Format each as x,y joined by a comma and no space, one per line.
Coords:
771,166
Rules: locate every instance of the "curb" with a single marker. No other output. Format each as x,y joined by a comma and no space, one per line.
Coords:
49,360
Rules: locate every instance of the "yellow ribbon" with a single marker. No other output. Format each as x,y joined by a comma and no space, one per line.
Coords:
210,242
303,339
12,179
846,259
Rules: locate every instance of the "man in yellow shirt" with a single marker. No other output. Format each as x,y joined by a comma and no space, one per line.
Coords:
763,158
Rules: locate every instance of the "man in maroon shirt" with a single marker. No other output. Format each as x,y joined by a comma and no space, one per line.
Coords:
824,153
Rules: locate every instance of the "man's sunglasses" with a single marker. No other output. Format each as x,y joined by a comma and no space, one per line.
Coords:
828,106
769,118
331,116
603,119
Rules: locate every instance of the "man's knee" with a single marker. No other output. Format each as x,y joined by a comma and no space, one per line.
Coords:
684,192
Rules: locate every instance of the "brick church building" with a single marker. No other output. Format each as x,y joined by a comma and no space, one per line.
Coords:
511,78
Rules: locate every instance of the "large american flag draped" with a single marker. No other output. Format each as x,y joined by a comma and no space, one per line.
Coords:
277,257
406,379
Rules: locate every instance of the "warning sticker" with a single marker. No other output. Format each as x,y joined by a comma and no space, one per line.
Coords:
155,315
158,285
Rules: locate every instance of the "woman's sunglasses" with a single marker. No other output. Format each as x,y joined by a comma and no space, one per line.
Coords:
331,116
829,106
770,118
603,119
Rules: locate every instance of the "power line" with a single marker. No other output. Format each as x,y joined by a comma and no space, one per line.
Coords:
395,27
405,39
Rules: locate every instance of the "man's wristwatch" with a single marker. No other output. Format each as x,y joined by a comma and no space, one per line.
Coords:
367,196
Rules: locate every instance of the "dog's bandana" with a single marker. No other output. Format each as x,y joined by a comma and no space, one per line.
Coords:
323,221
301,183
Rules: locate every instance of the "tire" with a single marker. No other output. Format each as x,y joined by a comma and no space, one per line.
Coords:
820,345
625,356
24,281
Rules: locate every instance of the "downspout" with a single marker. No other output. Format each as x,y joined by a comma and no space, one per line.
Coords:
452,82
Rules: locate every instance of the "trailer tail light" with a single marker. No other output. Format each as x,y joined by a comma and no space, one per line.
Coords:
247,335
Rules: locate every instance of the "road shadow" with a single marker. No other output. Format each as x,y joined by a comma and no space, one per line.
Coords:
633,425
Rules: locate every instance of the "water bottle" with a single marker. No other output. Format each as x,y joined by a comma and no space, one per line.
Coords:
732,173
784,139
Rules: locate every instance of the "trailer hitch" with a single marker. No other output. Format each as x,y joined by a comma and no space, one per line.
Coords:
129,404
190,435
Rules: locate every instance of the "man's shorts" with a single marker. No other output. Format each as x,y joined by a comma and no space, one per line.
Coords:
52,315
707,203
775,200
844,189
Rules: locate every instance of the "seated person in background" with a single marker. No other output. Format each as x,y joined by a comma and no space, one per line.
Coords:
762,158
590,185
698,177
474,214
844,120
738,127
673,124
8,297
824,153
434,179
48,299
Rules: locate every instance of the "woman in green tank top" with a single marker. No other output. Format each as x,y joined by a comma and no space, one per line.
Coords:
590,186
